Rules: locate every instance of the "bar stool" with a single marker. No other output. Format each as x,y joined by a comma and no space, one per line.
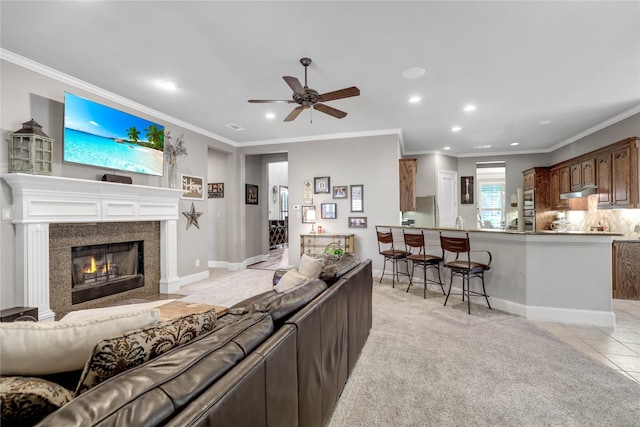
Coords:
465,268
387,249
419,257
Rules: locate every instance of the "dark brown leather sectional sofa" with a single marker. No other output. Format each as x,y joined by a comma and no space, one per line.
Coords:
274,360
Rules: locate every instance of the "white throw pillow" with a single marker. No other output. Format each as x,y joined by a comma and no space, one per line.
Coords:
41,348
310,267
290,279
97,313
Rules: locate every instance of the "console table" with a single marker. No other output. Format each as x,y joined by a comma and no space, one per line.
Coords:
315,244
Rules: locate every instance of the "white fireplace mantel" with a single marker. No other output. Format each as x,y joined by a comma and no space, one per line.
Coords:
41,200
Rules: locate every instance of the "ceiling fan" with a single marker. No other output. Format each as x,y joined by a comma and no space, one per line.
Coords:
306,97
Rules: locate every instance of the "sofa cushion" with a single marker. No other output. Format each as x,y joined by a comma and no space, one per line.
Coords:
152,393
290,301
244,306
27,400
114,355
40,348
291,279
310,266
336,268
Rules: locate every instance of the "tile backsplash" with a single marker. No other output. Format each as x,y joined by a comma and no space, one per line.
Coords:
616,220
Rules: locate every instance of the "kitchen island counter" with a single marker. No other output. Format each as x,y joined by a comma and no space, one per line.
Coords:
554,276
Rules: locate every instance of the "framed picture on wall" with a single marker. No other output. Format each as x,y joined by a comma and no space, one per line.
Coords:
251,194
192,186
215,190
357,198
328,211
340,192
321,185
357,222
466,190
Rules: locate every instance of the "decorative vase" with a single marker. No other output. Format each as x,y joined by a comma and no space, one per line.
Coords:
172,174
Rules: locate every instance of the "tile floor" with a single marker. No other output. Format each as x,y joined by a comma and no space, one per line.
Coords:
617,347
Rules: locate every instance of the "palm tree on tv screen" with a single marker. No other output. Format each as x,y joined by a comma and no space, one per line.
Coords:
133,133
155,136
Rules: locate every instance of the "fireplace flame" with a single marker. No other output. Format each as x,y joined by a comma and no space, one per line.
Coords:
92,267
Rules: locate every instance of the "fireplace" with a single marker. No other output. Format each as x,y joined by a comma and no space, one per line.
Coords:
51,214
106,269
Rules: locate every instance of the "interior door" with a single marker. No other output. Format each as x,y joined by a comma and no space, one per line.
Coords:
447,198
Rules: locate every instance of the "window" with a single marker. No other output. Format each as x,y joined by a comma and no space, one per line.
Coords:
491,203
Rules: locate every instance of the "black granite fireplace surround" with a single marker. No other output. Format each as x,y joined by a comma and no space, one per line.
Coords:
106,269
75,284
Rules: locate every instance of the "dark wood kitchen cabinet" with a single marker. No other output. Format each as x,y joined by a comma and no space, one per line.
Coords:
583,174
617,175
408,171
626,269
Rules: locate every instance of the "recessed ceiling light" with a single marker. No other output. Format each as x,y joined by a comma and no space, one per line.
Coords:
447,148
270,116
469,107
480,147
456,129
413,73
545,122
415,99
513,144
168,85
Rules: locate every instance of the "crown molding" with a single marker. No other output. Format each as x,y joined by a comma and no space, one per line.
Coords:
34,66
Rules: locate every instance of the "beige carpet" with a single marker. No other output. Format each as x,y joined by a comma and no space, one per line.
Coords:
226,288
429,365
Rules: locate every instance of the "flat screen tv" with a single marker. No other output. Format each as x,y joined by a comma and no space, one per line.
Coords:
101,136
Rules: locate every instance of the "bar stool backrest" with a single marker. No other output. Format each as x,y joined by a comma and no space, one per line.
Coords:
385,240
414,242
456,245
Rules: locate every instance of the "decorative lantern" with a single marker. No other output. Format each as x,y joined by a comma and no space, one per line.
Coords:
31,150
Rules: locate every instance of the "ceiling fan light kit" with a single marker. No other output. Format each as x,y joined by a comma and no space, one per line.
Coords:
306,97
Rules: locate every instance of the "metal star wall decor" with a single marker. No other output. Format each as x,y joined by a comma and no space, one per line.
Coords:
192,216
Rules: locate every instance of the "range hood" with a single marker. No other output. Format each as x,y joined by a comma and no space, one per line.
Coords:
584,192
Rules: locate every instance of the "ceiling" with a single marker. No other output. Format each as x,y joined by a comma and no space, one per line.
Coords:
541,74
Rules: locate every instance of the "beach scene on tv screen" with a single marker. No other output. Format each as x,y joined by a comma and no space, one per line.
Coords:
97,135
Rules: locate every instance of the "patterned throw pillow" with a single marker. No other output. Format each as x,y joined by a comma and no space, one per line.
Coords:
27,400
115,355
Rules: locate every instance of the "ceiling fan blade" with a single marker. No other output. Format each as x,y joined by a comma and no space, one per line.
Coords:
293,114
294,84
271,101
330,111
339,94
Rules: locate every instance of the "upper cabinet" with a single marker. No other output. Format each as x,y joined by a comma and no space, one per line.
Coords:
617,175
613,170
408,172
583,174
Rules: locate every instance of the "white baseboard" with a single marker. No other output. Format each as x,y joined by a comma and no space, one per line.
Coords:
549,314
192,278
234,266
605,319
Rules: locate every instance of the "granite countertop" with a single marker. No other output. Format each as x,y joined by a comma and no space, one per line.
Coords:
541,232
